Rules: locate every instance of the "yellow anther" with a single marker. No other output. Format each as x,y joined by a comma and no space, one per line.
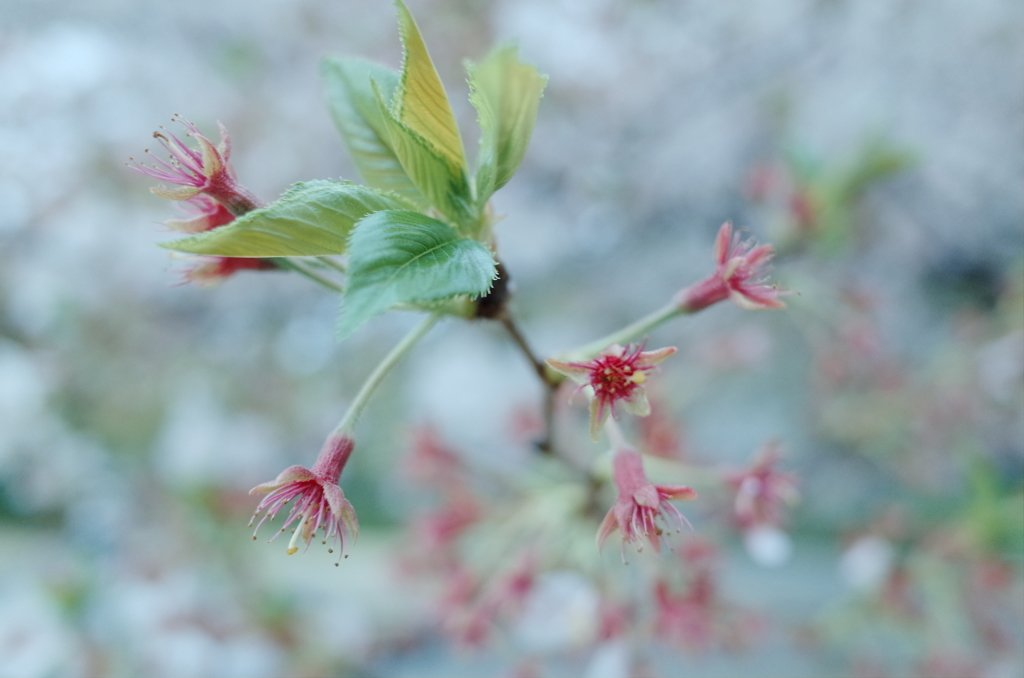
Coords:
293,543
638,378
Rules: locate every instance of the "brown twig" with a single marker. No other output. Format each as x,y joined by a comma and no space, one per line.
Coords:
545,444
494,306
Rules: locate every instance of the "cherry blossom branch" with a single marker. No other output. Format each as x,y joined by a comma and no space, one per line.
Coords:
741,276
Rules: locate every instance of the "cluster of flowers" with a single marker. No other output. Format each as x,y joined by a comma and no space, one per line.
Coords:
680,604
615,376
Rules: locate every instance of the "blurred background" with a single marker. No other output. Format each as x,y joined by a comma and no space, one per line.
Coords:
878,145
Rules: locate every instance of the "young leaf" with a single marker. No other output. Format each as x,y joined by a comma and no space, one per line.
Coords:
353,105
505,93
443,183
420,102
400,256
311,219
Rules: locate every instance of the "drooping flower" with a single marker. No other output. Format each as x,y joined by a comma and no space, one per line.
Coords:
618,374
206,170
740,276
641,505
762,491
317,503
201,213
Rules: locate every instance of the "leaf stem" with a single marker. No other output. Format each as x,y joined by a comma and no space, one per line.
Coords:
312,275
624,335
662,467
347,424
615,435
327,261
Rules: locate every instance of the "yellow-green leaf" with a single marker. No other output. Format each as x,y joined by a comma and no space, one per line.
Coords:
311,219
353,105
506,93
420,102
442,182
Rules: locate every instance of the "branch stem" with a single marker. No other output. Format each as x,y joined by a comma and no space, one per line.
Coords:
539,366
545,444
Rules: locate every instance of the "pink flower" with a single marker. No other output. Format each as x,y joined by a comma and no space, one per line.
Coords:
473,606
436,533
432,462
740,275
319,503
213,270
616,620
762,490
641,504
205,170
687,618
202,213
660,435
616,375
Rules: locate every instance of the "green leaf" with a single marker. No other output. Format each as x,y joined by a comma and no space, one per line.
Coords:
401,256
443,183
505,93
311,219
348,86
420,102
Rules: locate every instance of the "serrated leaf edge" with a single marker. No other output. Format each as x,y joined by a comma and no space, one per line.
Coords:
458,156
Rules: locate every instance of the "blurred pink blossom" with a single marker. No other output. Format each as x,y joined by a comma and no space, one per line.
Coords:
762,491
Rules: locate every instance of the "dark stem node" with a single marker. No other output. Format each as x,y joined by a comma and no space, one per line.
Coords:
492,305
